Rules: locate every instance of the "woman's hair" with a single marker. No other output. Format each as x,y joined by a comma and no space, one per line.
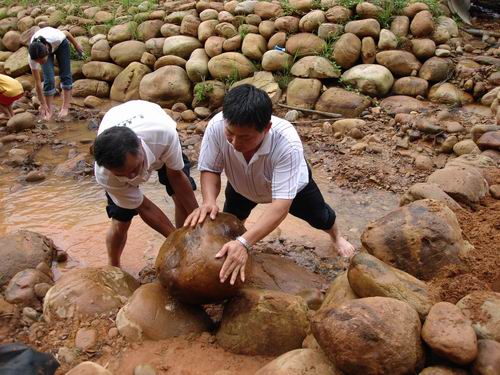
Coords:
39,48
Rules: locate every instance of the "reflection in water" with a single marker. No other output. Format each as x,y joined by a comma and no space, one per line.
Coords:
72,213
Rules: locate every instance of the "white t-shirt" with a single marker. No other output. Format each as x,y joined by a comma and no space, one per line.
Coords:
159,140
277,170
54,36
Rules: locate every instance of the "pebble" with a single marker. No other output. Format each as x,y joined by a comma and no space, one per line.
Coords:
31,313
495,191
86,338
144,369
440,52
113,332
66,355
41,289
292,115
423,163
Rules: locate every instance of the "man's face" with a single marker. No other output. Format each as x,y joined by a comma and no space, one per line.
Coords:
132,166
244,139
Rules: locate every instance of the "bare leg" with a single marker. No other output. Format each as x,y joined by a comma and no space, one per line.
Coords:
340,244
180,213
11,112
50,103
115,241
66,100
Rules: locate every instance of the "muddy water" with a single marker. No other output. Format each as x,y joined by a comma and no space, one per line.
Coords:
72,212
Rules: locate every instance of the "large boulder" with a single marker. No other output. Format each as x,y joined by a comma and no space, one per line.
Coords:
149,29
103,71
254,46
273,272
12,40
21,288
152,314
300,362
85,87
346,103
313,67
155,46
88,292
482,309
450,334
21,250
488,358
422,24
304,44
340,291
232,65
370,277
273,61
347,50
21,121
303,92
123,32
246,328
310,22
267,10
197,65
17,63
464,184
126,84
180,45
357,337
411,86
400,63
420,238
489,141
362,28
100,51
423,48
126,52
370,79
425,190
448,93
209,94
264,81
166,86
402,104
186,265
436,69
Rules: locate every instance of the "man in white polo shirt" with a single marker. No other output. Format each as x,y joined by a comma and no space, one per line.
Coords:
263,159
135,139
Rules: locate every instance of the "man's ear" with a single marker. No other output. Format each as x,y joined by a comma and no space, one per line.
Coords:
268,127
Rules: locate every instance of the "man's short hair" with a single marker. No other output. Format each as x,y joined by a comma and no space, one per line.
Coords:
113,144
247,106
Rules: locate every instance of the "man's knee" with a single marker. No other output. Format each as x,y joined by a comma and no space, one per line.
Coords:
119,227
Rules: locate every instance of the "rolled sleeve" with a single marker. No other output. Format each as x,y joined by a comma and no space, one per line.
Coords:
33,64
211,156
286,174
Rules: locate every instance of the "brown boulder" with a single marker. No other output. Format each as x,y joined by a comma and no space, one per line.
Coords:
152,314
12,40
356,336
346,103
230,65
304,44
21,288
126,52
489,141
420,238
410,86
370,277
126,84
287,24
422,24
245,327
400,63
400,26
303,92
87,292
340,291
100,51
21,121
300,362
448,93
423,48
21,250
267,10
442,370
190,251
368,50
464,184
436,69
89,368
402,104
166,86
488,358
482,309
102,71
254,46
338,14
428,191
362,28
85,87
347,50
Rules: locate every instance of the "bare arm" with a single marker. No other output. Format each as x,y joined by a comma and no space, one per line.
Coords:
38,87
182,189
210,189
155,218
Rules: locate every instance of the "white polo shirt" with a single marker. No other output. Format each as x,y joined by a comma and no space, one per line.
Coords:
277,170
54,36
159,140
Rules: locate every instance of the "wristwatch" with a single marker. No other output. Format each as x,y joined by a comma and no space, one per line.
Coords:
244,242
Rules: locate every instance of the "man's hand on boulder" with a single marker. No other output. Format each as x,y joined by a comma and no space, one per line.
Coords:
236,259
199,214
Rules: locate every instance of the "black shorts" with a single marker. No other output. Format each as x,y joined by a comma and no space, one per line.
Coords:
308,205
126,214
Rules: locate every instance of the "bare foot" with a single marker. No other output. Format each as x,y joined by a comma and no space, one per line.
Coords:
344,248
47,116
64,113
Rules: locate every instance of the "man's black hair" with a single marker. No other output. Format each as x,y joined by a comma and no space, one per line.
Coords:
39,48
113,144
248,106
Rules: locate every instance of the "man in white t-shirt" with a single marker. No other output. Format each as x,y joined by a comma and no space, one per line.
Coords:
263,159
135,139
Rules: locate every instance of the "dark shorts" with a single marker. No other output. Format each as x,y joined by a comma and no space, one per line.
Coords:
8,100
308,205
126,214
